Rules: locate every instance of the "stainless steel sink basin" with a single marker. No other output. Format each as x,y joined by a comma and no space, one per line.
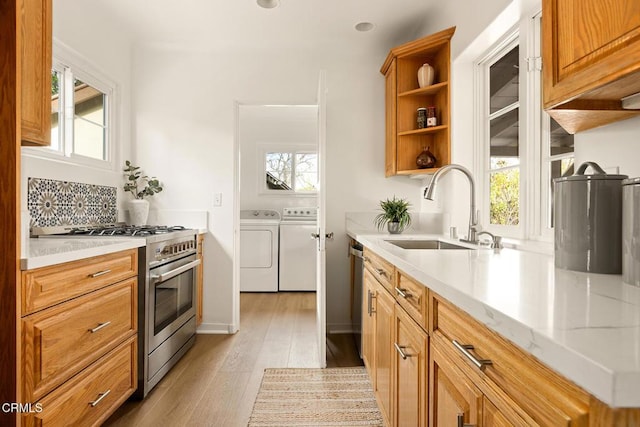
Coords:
425,244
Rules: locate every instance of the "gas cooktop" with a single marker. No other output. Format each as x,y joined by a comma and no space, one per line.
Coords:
118,229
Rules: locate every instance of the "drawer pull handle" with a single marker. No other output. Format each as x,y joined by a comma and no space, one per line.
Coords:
403,293
100,397
100,326
400,350
461,422
381,272
370,298
100,273
464,349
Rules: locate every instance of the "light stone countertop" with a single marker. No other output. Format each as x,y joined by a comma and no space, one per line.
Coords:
42,252
584,326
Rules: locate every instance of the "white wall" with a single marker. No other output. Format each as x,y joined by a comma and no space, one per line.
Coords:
614,145
184,134
281,127
107,49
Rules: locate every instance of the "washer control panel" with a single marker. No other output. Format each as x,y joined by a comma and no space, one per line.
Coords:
300,213
259,214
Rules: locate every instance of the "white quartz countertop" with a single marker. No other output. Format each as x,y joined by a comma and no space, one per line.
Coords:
584,326
42,252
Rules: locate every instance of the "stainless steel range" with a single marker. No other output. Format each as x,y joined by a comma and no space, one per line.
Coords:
166,289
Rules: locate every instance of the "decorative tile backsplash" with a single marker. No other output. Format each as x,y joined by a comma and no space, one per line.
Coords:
55,203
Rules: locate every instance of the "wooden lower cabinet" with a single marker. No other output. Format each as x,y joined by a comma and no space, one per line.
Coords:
79,339
369,323
384,351
493,417
410,360
91,396
200,279
453,395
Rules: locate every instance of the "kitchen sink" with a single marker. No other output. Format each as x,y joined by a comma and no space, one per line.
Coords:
425,244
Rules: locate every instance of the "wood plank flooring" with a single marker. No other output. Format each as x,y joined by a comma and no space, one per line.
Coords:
216,382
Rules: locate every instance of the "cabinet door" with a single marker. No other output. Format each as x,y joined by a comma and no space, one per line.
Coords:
410,360
455,400
383,351
369,324
199,280
590,53
36,71
390,101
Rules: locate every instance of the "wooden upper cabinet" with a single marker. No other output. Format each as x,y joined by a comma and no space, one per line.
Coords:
404,141
36,34
591,57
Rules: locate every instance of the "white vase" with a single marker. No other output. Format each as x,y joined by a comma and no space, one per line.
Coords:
138,212
425,75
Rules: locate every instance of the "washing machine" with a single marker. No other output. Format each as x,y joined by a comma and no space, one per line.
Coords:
259,246
298,249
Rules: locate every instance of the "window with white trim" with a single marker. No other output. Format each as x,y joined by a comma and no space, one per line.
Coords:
293,171
81,114
521,149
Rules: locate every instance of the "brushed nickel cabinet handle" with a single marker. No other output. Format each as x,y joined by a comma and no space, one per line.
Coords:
464,349
403,293
100,326
100,273
381,272
370,298
400,350
100,397
461,422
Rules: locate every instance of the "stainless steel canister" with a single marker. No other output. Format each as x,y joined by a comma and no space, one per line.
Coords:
588,221
631,231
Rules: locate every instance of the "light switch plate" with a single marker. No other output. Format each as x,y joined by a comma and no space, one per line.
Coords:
217,199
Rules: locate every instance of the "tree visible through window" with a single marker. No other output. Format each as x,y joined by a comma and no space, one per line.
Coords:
504,145
293,171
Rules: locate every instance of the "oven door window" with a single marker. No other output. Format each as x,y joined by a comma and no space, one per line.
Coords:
173,297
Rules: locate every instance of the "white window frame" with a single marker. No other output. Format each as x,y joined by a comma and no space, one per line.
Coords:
263,149
483,137
534,135
73,65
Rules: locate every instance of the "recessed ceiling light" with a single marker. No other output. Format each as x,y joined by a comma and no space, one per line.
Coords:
364,26
268,4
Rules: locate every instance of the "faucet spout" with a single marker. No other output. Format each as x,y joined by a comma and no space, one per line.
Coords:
473,215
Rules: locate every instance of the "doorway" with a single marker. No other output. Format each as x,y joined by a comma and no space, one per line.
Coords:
277,162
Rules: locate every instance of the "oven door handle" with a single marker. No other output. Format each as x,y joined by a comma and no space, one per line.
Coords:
169,274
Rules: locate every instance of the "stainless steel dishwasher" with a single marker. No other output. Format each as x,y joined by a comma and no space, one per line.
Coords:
356,309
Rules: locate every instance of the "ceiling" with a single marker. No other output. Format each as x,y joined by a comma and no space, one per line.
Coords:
242,24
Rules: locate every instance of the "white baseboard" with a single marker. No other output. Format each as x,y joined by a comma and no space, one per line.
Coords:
215,328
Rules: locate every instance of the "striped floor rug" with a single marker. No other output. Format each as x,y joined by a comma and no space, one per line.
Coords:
315,397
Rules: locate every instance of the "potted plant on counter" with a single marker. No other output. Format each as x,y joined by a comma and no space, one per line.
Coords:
140,186
395,215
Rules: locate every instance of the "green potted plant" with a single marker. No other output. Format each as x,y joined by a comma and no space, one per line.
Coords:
395,215
140,186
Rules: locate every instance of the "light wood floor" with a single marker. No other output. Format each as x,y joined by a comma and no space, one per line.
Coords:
216,382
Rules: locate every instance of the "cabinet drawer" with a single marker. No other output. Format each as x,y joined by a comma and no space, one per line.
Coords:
63,340
556,401
412,296
90,397
381,269
51,285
